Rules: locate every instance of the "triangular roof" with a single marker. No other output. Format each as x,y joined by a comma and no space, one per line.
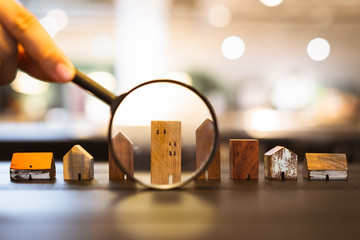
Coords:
32,160
274,150
80,150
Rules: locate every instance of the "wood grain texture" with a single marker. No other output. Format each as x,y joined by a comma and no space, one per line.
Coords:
165,152
32,166
205,137
78,164
280,164
123,149
244,158
325,166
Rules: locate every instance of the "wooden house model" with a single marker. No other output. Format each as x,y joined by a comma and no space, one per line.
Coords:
78,164
124,152
204,142
165,152
325,166
244,159
280,164
34,165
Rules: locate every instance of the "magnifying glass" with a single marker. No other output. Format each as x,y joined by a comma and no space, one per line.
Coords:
162,133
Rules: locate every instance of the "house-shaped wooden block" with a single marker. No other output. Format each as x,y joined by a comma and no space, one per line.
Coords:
205,137
78,164
280,164
244,159
325,166
35,165
123,150
165,152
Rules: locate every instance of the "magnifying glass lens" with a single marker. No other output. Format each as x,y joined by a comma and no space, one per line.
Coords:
162,134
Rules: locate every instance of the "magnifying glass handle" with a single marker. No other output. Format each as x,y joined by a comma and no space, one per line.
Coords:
93,87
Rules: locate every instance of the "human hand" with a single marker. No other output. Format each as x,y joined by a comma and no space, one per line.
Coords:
26,45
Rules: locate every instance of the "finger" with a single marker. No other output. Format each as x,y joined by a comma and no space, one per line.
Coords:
31,67
8,57
39,46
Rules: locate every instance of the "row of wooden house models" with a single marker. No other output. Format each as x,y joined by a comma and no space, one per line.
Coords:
280,163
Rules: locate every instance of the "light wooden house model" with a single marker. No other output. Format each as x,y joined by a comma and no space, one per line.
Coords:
123,150
78,164
280,164
325,166
32,166
165,152
244,159
204,142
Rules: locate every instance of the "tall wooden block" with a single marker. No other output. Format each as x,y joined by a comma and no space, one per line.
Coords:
325,166
165,152
280,164
123,149
78,164
35,165
204,142
244,159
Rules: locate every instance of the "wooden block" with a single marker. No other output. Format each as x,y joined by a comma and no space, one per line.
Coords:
325,166
78,164
244,159
280,164
123,149
35,165
165,152
204,142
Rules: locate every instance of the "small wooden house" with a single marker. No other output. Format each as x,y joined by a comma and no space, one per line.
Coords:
34,165
280,164
78,164
325,166
244,159
124,152
204,142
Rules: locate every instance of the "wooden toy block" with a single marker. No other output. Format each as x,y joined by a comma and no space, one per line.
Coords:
165,152
244,159
204,142
325,166
280,164
78,164
34,165
123,149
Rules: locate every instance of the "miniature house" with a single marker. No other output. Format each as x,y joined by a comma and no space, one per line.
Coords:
78,164
205,137
35,165
325,166
244,159
165,152
280,164
123,150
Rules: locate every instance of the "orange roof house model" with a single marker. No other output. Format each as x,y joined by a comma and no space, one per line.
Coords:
78,164
34,165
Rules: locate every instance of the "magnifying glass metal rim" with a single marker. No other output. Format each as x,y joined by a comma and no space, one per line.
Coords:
114,101
199,170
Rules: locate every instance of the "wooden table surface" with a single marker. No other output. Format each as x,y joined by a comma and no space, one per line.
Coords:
226,209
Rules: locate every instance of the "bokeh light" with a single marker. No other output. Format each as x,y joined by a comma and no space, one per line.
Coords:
28,85
233,47
219,16
271,3
318,49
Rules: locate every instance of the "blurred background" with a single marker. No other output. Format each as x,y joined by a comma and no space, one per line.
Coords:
282,71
